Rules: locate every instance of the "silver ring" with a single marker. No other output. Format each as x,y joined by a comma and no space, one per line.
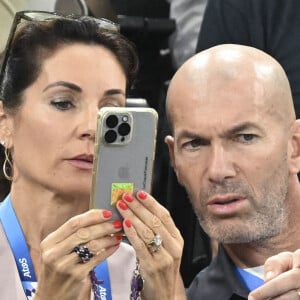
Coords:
155,244
84,253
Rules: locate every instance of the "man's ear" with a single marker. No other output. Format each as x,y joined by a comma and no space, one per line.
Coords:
294,148
169,140
5,127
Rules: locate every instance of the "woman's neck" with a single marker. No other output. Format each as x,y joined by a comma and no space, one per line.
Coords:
42,212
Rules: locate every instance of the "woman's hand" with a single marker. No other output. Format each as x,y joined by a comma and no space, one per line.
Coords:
145,218
62,274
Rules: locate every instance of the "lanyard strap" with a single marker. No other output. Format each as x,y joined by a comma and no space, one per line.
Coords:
17,242
101,287
251,281
15,237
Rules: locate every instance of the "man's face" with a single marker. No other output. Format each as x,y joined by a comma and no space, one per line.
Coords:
230,153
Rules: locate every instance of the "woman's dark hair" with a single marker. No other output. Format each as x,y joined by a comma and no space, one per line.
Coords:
36,41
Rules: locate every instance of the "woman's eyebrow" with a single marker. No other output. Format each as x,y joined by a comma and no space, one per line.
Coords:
69,85
113,92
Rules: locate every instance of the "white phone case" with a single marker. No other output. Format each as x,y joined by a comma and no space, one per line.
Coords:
124,154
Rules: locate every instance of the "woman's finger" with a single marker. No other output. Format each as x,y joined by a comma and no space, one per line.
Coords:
89,218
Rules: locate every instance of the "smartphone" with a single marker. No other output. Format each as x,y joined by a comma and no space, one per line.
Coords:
124,154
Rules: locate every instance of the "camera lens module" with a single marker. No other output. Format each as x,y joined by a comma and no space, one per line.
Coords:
111,121
124,129
110,136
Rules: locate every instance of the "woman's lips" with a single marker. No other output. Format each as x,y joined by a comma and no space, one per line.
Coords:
83,161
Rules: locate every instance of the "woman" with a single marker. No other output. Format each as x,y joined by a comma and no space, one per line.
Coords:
57,72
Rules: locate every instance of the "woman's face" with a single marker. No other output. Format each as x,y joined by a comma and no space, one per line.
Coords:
53,133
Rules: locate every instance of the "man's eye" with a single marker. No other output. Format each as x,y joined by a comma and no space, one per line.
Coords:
246,137
62,104
194,144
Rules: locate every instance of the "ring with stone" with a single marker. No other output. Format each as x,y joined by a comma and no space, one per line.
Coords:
155,244
84,253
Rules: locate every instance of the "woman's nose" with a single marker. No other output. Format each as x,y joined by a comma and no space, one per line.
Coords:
89,124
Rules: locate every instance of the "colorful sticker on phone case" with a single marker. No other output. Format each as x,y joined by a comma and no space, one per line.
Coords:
118,189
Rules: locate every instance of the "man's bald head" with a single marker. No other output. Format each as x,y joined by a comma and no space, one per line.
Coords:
236,145
222,65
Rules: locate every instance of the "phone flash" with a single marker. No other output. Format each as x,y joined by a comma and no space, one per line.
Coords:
125,118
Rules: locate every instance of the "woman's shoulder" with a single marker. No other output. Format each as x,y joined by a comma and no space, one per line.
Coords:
121,267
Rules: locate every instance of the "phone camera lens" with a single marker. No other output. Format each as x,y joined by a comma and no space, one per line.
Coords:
110,136
124,129
112,121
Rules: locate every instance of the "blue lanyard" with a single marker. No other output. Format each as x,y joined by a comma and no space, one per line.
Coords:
24,263
18,245
251,281
101,287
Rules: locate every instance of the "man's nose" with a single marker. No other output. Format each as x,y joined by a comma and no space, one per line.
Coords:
221,165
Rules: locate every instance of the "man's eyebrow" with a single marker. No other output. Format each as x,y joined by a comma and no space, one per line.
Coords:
233,130
241,127
190,135
114,92
66,84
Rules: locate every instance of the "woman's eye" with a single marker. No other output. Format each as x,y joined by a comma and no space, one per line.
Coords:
62,104
110,104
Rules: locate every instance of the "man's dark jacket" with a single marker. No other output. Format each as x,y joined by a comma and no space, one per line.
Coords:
219,281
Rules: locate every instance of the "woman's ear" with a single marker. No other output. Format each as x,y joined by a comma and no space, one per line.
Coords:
294,148
5,127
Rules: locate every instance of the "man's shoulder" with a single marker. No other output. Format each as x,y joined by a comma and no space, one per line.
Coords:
218,281
206,281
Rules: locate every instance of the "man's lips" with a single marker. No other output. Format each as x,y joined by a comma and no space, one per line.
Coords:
226,204
82,161
224,199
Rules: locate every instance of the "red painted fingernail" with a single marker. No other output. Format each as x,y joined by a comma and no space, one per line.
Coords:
107,214
118,237
122,205
142,195
117,224
128,197
127,223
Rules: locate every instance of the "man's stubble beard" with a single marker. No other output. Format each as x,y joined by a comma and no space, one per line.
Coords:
265,222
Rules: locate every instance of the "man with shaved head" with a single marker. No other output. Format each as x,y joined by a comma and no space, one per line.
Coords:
235,148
